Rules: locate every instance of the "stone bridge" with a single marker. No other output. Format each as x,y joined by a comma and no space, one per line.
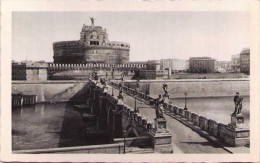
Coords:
115,115
225,135
120,120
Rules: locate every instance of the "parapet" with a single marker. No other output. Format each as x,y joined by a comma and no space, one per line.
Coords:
98,65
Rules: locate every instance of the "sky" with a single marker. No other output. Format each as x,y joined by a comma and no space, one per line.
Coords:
151,35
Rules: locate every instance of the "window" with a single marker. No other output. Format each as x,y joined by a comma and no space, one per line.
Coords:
94,42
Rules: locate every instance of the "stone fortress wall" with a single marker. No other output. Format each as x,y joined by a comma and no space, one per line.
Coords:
37,71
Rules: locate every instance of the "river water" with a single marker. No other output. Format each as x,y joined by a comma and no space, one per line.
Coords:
59,125
49,126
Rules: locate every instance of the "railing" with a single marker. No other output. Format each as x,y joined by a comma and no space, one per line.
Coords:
139,95
128,111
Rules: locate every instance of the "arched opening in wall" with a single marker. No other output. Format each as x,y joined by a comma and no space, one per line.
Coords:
131,131
131,135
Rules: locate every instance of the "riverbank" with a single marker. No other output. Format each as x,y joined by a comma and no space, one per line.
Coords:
51,91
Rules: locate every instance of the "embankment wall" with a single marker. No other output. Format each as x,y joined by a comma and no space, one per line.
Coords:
208,76
197,87
49,91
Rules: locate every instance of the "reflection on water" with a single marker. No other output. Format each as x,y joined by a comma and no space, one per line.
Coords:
37,126
217,108
39,109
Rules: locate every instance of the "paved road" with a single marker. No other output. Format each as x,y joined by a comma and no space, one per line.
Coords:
184,140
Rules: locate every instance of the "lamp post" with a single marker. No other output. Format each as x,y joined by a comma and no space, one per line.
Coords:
135,104
112,90
136,88
185,108
112,73
124,134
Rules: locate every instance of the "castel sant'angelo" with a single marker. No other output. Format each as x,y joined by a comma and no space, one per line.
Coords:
93,47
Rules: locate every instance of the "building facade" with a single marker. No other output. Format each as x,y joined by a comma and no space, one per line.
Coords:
235,63
202,64
245,61
30,71
173,64
93,47
223,66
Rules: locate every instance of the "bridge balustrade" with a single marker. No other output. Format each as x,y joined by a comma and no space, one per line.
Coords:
124,109
135,117
171,108
149,126
213,127
177,111
144,123
222,128
195,119
128,112
188,115
181,110
132,114
139,119
218,130
204,123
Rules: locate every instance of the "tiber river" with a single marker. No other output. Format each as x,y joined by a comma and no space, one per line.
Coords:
59,125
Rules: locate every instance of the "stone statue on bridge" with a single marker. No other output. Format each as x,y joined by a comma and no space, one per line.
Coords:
122,77
120,91
165,87
159,107
238,104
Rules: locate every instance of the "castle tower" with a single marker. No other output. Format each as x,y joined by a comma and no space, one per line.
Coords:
93,47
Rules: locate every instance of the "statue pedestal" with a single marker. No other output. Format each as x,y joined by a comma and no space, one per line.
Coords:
161,138
160,124
237,132
120,99
237,121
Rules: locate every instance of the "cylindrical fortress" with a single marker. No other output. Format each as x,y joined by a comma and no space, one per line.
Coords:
93,47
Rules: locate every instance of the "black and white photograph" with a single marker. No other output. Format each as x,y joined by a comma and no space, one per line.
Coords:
131,82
